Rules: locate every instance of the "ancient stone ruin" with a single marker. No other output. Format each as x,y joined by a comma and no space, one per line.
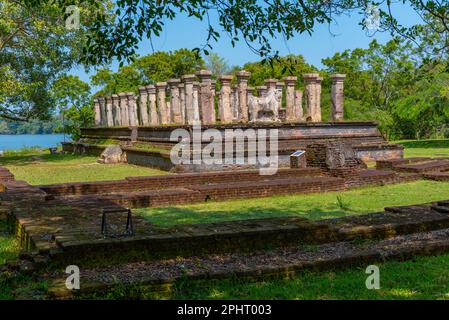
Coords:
193,100
142,125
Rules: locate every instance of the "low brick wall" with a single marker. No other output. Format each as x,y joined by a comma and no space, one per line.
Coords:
170,181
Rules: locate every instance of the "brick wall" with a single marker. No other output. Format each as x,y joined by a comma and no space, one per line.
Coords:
170,181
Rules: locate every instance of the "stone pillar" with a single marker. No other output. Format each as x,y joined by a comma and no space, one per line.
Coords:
176,115
97,112
280,92
337,96
182,101
109,114
143,106
116,110
132,109
225,109
188,88
152,105
298,106
317,112
271,84
213,91
250,92
196,117
124,109
280,86
164,115
313,96
290,112
262,91
207,109
235,103
102,105
253,109
242,79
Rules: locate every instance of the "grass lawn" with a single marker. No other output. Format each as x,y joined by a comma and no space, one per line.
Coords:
421,278
312,206
41,167
425,148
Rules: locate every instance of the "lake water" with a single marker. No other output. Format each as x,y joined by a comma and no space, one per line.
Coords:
18,141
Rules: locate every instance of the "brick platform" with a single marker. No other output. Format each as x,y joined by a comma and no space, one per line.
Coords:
149,146
66,227
62,224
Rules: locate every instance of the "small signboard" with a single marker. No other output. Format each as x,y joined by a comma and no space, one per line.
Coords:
298,153
298,159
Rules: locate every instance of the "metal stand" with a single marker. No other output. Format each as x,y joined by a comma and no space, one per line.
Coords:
129,231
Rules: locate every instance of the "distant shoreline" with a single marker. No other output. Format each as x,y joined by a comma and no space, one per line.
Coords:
12,142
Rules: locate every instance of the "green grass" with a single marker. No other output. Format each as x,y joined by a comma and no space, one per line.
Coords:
9,248
41,167
425,148
421,278
312,206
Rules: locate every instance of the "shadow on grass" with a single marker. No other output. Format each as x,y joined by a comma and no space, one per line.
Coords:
425,144
169,216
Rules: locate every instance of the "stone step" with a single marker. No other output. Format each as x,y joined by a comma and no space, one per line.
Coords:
424,167
391,163
255,266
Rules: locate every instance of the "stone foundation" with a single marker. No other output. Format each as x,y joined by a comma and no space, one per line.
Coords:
150,146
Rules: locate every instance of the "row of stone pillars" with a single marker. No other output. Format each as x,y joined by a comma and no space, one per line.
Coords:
187,101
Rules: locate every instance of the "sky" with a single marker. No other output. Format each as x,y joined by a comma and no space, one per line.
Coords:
326,40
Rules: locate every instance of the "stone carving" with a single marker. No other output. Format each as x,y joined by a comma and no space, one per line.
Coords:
265,109
112,154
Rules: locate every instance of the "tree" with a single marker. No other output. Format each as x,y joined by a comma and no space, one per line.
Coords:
424,112
72,96
217,65
277,69
35,49
148,69
376,78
